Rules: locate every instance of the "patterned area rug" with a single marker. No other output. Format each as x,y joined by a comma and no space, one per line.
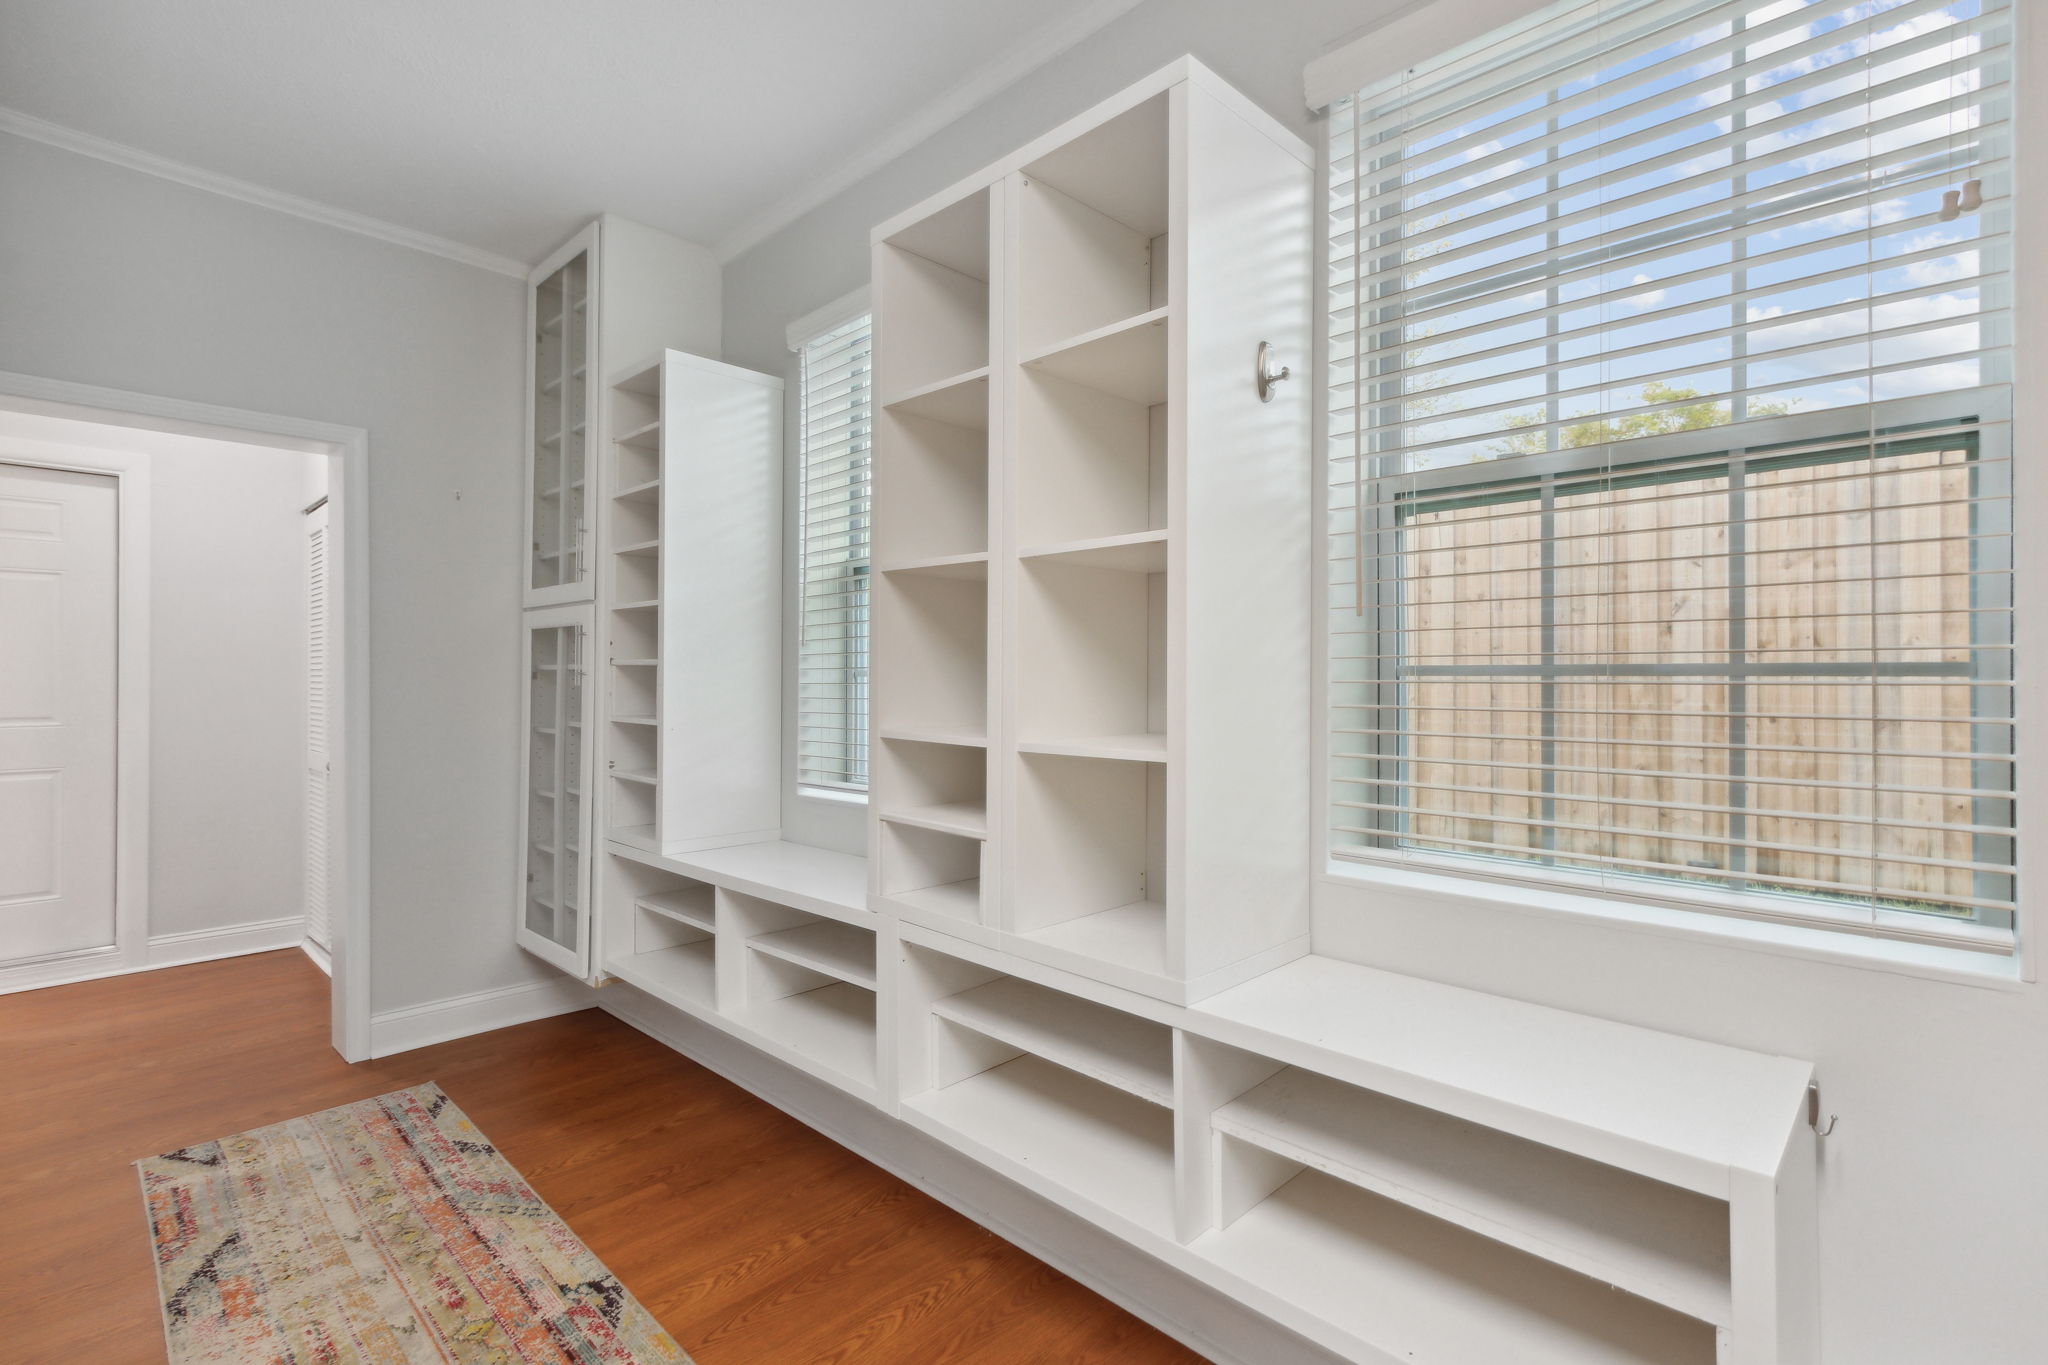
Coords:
385,1232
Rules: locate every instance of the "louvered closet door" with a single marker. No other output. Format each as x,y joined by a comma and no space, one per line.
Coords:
319,762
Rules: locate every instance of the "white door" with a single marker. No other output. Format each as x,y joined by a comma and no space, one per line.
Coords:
58,584
319,674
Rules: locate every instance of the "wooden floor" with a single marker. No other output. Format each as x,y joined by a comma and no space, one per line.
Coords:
755,1240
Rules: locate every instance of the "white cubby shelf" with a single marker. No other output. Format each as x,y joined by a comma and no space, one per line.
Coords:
1390,1167
1087,524
770,941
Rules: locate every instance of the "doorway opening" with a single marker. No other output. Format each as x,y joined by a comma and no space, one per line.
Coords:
194,577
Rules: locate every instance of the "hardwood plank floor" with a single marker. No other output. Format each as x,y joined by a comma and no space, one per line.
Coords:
753,1239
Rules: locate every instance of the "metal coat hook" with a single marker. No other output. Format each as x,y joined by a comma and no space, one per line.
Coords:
1267,376
1813,1112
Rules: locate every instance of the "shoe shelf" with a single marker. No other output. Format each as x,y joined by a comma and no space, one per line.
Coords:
693,745
771,942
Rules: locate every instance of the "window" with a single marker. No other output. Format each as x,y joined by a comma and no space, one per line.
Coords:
1670,504
832,646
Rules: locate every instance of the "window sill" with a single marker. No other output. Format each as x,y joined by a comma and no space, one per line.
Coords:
1446,892
832,798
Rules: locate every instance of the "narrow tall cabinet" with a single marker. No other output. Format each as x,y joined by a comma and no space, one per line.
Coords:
555,825
693,604
616,288
1092,532
560,324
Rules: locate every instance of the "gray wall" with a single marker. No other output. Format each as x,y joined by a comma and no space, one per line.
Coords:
1934,1195
227,677
1259,48
112,277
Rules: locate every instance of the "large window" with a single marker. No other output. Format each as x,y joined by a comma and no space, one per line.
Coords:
1671,464
832,649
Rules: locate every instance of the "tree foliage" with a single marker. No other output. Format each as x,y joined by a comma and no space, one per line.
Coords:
1690,413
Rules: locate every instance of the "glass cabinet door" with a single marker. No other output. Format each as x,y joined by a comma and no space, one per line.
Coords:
557,569
555,888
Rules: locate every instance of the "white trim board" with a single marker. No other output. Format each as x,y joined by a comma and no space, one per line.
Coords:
1214,1326
149,163
973,90
438,1021
227,940
837,313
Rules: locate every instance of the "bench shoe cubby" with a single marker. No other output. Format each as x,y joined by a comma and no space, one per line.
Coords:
1241,1144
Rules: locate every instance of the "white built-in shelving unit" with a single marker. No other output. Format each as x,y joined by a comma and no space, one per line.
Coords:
772,942
1391,1168
693,742
616,288
1090,536
1079,952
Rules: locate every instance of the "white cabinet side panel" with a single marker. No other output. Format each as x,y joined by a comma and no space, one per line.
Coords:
1243,541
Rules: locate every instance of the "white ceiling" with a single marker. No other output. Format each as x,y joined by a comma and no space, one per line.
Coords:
505,124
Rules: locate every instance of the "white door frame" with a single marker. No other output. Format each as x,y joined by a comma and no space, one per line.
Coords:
130,949
348,461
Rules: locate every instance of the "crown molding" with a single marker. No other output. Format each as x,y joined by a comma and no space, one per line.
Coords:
977,88
149,163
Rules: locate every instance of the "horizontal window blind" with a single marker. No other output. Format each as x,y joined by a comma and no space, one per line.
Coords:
1671,463
832,658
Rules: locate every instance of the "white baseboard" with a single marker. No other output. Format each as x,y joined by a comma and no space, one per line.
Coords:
162,950
438,1021
1211,1324
230,940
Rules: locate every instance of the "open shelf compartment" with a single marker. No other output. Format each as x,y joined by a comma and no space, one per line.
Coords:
933,873
1090,879
931,482
937,787
1091,649
1654,1240
1394,1279
931,652
935,273
1097,463
1093,222
1134,1055
1070,1098
806,983
669,947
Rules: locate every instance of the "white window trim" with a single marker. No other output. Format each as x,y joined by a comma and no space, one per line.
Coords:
819,321
1391,48
796,336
